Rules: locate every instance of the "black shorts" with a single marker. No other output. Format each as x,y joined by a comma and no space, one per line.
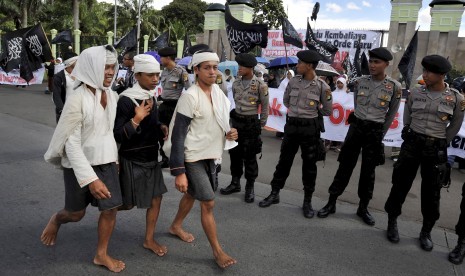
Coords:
77,198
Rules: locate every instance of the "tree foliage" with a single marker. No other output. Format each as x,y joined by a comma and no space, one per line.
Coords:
189,13
269,12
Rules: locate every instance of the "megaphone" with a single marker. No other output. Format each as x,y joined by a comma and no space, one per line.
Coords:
396,48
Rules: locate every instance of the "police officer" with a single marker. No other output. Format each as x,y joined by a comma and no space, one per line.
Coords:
433,115
307,98
376,100
249,94
174,79
457,255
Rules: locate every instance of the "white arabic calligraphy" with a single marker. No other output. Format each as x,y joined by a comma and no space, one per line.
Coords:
14,48
34,45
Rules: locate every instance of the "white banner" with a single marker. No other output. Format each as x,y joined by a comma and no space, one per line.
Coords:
457,146
345,40
14,78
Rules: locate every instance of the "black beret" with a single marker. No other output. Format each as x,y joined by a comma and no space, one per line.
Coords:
381,53
167,51
246,60
436,64
309,56
198,47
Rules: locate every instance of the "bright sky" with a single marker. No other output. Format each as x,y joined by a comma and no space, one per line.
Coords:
342,14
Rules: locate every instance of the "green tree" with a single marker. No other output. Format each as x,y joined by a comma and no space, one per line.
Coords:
268,11
189,13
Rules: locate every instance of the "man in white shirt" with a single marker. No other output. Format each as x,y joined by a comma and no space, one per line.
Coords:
84,145
203,110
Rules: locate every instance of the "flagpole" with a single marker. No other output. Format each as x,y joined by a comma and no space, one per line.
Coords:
114,37
138,27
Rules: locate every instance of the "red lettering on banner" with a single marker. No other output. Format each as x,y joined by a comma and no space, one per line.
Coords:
339,114
274,108
395,122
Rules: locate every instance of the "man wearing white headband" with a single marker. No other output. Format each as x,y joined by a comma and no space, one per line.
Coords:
63,82
203,110
84,146
137,129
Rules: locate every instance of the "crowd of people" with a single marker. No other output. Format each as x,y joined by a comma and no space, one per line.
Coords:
110,131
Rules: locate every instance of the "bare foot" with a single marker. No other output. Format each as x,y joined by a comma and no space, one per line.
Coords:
183,235
110,263
50,232
223,260
158,249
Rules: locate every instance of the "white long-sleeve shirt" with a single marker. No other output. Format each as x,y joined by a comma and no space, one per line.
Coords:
92,142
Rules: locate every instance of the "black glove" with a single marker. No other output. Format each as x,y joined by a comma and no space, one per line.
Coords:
406,132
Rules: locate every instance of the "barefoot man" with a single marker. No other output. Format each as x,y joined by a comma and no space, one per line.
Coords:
137,129
200,130
84,145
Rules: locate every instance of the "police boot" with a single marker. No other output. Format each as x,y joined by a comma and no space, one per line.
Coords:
392,231
234,187
330,207
362,212
457,255
249,192
307,206
273,198
425,236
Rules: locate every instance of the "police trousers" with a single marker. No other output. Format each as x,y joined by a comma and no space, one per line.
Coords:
460,227
364,136
244,155
418,150
303,133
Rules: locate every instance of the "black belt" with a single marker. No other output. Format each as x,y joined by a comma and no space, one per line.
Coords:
366,123
247,118
428,140
302,121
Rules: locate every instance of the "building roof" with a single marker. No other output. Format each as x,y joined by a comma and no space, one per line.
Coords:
216,7
245,2
446,2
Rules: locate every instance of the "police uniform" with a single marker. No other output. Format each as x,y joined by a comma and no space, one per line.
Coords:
306,100
249,96
376,104
173,82
432,119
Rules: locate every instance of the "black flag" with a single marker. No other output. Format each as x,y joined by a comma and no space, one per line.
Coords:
327,50
243,37
290,35
223,52
407,62
129,40
315,11
187,45
364,65
63,37
357,67
25,49
347,66
162,40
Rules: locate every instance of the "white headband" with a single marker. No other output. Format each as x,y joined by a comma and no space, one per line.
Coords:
146,64
70,61
202,57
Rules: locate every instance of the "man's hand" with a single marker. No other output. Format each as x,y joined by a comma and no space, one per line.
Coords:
142,111
99,190
181,183
232,134
165,131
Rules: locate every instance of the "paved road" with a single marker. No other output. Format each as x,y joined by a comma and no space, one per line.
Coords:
270,241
